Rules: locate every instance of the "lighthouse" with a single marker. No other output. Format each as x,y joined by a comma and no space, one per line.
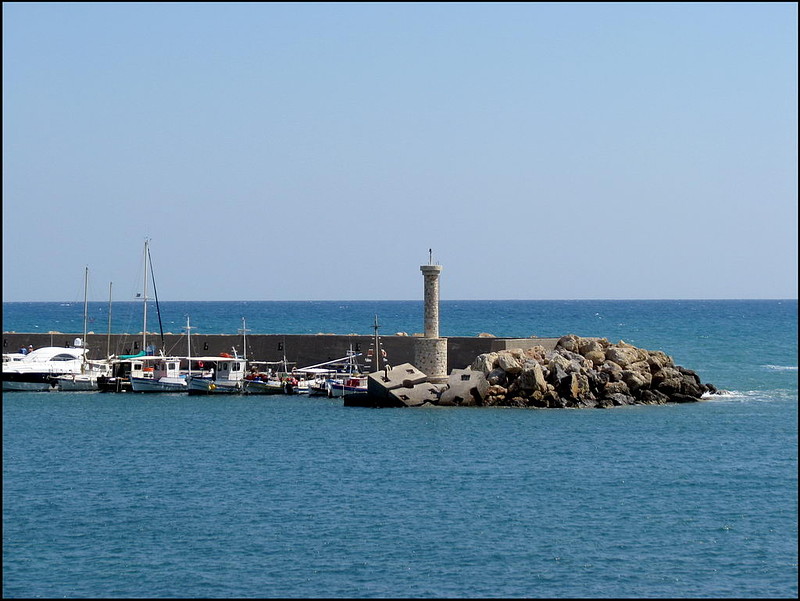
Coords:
430,352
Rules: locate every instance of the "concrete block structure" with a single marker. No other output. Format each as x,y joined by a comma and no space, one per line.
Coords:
465,387
379,383
416,395
393,387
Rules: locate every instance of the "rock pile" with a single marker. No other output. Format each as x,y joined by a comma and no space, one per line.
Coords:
582,372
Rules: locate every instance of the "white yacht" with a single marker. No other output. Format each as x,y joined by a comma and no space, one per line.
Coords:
38,370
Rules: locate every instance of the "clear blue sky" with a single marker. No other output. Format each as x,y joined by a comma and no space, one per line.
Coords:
317,151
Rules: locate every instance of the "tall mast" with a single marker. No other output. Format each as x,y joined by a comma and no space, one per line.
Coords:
85,312
244,331
189,345
144,313
377,346
155,294
108,342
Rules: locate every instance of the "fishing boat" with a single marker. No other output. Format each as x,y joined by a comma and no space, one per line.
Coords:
318,381
125,367
272,377
168,373
322,377
341,387
164,376
267,382
224,375
375,360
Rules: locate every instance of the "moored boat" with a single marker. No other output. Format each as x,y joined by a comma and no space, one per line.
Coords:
274,377
225,375
87,380
322,377
37,370
125,367
348,386
268,383
165,376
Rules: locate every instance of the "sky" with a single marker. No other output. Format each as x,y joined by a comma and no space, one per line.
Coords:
321,151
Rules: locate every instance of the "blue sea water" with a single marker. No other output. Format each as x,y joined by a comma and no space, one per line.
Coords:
120,495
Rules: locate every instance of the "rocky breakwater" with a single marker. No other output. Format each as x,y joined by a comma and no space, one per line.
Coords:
581,372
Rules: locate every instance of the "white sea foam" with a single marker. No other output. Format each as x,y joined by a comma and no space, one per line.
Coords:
723,395
781,367
739,396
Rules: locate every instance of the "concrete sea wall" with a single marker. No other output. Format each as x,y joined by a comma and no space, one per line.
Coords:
301,349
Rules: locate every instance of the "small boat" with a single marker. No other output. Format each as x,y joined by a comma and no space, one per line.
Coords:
165,376
125,367
318,381
356,383
225,375
348,386
169,374
89,379
337,377
274,378
267,383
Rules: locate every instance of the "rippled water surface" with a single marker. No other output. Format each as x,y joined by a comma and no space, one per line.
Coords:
123,495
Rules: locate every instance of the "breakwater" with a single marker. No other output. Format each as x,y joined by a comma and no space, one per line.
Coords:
300,349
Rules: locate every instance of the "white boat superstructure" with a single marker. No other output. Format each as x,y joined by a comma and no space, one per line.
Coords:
225,375
125,367
92,372
12,357
166,376
37,370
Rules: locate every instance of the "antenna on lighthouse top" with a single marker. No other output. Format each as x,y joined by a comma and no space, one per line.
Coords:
430,256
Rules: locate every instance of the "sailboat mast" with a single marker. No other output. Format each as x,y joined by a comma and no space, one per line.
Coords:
144,293
244,338
85,303
108,341
85,310
189,345
377,347
155,294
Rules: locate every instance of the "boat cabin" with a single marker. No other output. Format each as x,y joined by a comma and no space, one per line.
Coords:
220,368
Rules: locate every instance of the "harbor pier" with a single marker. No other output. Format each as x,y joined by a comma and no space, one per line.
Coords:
300,349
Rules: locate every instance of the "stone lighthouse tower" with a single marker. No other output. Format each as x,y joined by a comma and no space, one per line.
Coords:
430,352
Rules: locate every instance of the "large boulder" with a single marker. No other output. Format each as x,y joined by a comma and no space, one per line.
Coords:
508,362
484,363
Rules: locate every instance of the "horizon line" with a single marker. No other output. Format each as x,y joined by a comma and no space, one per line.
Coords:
460,300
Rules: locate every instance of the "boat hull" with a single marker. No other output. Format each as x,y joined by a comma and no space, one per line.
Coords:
161,385
348,386
339,390
76,383
207,386
114,384
28,382
261,387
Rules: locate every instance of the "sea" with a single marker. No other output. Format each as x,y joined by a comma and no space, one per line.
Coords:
169,496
